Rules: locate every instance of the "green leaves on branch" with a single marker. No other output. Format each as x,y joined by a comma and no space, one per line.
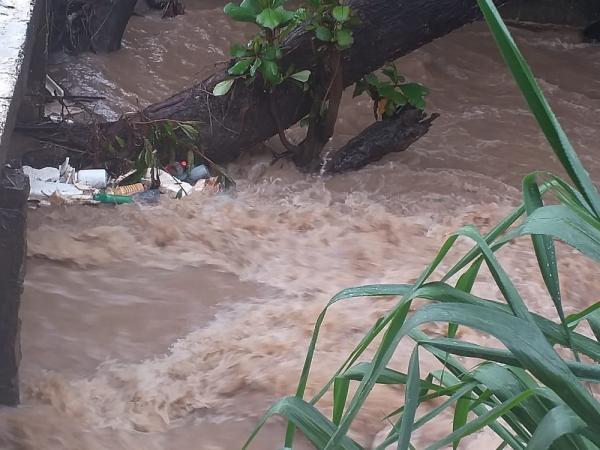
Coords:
272,18
262,55
223,87
331,22
391,94
269,14
341,13
301,76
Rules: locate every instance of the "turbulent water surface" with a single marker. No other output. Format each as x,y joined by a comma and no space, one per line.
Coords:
174,327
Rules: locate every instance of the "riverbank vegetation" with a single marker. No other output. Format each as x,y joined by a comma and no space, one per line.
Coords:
527,393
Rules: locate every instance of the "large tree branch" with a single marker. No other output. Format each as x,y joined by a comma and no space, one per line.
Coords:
388,29
231,124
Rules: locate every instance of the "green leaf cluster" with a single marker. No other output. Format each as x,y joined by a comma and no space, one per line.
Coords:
392,92
262,54
332,22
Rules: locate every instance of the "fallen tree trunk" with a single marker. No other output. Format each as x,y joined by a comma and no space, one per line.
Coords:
388,30
230,124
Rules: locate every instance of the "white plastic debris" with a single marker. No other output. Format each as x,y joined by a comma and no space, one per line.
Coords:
57,183
96,178
68,174
41,190
45,174
172,186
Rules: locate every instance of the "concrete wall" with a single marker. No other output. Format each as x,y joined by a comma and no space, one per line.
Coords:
22,75
579,13
22,62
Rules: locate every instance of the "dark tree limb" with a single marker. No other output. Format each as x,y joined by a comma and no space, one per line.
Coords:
383,137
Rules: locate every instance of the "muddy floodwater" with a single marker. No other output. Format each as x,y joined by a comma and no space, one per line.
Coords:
175,326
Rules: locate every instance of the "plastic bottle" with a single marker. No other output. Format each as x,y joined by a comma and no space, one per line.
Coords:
103,197
198,173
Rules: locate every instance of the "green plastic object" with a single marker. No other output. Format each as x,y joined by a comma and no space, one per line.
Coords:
103,197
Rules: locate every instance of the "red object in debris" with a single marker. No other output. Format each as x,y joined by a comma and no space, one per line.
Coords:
183,164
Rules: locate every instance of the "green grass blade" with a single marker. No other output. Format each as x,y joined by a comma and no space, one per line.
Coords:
437,393
315,427
558,422
381,359
588,372
545,252
567,194
459,394
371,290
387,347
505,383
525,342
481,421
461,414
574,319
450,377
411,401
463,390
503,282
387,376
490,237
539,105
340,394
445,293
594,322
563,224
465,283
356,292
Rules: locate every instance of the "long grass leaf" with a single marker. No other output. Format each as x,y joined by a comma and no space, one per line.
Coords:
558,422
411,401
574,319
461,414
456,394
315,427
481,421
490,237
340,394
539,105
594,322
364,291
525,342
545,252
588,372
506,286
563,224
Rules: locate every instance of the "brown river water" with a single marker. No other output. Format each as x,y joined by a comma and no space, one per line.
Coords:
176,326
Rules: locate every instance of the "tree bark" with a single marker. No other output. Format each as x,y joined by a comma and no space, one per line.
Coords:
383,137
230,124
82,25
388,29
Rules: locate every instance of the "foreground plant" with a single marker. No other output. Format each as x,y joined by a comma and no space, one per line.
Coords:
526,393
